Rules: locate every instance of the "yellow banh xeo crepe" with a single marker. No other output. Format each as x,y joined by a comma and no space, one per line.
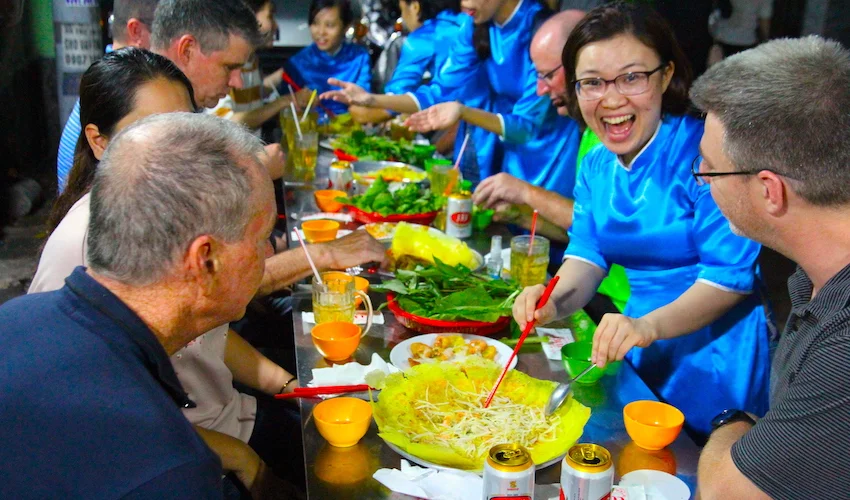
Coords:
435,412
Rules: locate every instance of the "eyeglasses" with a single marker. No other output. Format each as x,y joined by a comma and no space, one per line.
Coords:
634,83
546,77
700,177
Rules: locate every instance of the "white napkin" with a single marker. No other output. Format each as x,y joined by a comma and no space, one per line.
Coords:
352,373
339,234
431,483
340,217
558,338
359,318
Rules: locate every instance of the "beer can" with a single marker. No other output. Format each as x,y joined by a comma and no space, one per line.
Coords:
459,215
587,473
340,176
508,473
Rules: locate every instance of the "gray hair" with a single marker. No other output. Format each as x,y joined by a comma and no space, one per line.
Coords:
124,10
785,107
164,181
211,22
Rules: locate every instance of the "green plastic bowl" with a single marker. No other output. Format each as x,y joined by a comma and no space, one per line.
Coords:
576,357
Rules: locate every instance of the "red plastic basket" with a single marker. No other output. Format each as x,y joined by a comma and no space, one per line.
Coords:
366,217
427,325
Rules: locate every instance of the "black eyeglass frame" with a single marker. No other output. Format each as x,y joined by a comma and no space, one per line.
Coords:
547,77
700,177
647,74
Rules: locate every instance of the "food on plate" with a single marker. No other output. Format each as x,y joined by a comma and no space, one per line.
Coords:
451,293
380,230
407,200
339,124
394,173
449,348
422,245
435,412
366,147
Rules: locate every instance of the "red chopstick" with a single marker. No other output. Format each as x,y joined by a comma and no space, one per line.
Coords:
540,303
288,79
309,392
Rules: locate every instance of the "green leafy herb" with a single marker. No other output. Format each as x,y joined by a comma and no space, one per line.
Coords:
377,148
451,293
407,200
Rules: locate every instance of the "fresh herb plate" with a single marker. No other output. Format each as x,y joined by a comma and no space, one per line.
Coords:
422,324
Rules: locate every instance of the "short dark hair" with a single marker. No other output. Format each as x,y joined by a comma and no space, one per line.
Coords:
108,94
257,5
211,22
606,22
428,9
346,12
783,106
124,10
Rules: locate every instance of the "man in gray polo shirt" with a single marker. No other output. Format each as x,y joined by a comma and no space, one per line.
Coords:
776,152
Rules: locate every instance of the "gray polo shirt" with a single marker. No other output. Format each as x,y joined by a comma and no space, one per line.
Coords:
801,448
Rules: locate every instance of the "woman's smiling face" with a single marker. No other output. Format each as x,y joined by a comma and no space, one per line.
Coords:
625,124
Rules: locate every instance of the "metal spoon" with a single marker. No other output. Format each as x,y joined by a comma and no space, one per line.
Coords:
559,395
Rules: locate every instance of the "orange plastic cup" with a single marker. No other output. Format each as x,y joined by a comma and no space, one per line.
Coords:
326,200
360,284
652,424
317,231
336,340
342,421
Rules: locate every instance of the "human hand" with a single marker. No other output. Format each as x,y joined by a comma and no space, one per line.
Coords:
437,117
353,249
526,303
500,189
351,93
302,97
274,160
617,334
506,213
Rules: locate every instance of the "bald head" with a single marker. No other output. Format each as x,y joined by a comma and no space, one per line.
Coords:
546,48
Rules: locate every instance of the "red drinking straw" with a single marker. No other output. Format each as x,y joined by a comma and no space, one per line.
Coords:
533,230
540,303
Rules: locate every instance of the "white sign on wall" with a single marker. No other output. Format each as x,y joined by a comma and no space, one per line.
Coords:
80,46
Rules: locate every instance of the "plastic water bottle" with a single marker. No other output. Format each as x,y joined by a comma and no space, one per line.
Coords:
494,263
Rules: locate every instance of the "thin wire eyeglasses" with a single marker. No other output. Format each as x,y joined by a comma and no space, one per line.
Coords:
633,83
700,177
546,77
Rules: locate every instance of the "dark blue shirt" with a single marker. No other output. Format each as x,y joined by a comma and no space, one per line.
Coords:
90,404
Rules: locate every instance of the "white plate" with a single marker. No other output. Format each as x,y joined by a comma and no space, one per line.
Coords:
431,465
658,485
326,144
400,353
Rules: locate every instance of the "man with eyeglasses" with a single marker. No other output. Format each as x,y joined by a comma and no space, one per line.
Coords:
131,27
775,154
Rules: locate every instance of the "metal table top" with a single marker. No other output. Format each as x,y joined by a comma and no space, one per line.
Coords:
347,472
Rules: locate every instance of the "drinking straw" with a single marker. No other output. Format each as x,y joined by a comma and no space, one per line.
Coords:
540,303
309,259
291,93
295,119
288,79
533,229
309,104
462,149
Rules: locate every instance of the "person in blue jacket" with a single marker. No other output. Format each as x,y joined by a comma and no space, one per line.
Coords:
330,56
432,27
491,57
694,314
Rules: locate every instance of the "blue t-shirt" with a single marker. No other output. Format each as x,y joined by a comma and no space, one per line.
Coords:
90,404
312,67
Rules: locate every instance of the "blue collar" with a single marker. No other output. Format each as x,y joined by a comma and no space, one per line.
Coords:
138,340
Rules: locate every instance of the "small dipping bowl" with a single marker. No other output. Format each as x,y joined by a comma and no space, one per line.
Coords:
336,340
342,421
326,200
652,424
576,357
360,283
317,231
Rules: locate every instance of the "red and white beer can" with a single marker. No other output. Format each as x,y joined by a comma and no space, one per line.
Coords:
587,473
508,473
340,176
459,215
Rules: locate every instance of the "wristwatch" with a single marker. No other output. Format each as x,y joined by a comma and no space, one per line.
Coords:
729,416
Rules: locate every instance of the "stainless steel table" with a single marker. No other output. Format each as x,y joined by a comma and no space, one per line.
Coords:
342,473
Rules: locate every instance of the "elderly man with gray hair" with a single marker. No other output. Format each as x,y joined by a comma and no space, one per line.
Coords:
776,153
181,212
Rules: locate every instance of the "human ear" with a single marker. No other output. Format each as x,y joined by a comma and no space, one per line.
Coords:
201,262
774,193
667,76
97,141
135,32
186,50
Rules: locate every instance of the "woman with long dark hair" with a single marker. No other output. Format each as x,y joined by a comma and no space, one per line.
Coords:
694,313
